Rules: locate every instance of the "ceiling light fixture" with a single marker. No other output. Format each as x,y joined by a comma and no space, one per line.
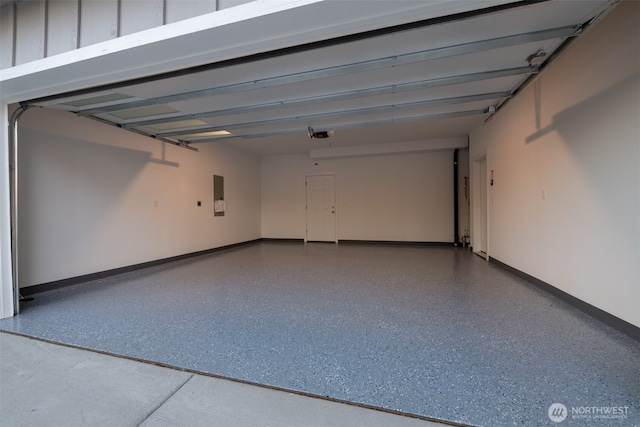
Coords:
319,134
211,134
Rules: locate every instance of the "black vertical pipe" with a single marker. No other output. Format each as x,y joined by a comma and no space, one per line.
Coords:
456,231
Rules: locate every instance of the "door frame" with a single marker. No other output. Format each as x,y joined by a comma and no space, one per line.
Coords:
476,205
335,200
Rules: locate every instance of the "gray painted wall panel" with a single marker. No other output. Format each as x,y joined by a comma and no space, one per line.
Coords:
136,15
30,31
6,37
177,10
226,4
35,29
62,29
98,21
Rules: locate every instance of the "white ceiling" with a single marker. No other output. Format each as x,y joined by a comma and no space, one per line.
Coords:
417,82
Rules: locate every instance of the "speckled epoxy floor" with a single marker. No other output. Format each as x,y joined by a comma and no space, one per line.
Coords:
433,331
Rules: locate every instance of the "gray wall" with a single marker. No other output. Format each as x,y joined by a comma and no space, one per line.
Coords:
37,29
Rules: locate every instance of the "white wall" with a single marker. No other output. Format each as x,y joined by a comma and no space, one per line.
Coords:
395,197
574,134
88,196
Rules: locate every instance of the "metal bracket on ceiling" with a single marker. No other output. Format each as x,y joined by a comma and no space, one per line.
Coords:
185,144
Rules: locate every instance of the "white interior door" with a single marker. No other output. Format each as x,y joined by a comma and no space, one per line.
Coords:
321,208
